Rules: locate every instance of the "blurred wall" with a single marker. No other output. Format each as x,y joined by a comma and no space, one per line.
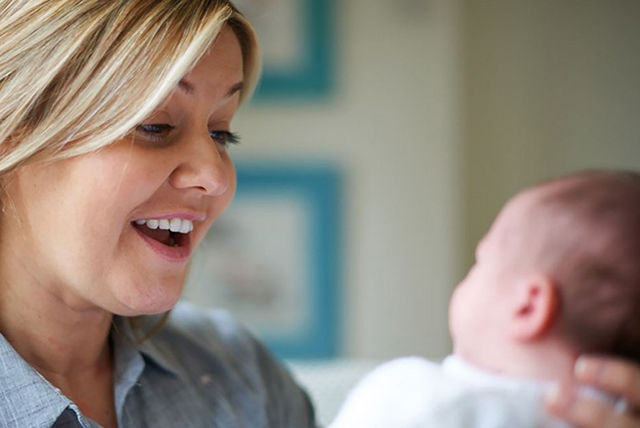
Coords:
442,110
391,125
550,87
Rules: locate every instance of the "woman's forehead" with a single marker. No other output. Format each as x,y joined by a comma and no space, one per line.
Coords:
222,64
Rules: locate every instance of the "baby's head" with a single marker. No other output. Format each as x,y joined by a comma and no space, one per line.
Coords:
560,269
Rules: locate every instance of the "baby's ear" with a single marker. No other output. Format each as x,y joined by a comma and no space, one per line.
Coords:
534,307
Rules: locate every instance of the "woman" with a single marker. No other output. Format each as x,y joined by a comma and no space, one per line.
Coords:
114,122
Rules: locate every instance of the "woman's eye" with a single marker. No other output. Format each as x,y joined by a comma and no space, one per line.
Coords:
160,131
155,131
224,138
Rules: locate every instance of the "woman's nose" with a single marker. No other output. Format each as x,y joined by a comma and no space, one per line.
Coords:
203,165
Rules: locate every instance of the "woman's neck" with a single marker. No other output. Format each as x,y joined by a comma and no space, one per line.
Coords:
68,345
50,334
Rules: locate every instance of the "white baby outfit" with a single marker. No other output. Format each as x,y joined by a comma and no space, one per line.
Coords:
416,393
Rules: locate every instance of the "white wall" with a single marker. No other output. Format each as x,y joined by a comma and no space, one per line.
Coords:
550,87
391,125
443,109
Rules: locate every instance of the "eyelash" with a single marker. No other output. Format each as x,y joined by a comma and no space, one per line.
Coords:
158,132
228,137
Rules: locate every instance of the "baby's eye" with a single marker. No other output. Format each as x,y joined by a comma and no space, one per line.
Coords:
155,131
224,138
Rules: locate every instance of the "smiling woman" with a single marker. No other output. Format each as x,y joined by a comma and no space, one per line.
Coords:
115,119
181,175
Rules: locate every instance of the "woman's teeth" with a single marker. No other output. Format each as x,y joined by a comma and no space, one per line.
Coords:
177,225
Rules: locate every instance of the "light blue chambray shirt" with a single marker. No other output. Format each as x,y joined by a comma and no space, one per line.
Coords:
202,369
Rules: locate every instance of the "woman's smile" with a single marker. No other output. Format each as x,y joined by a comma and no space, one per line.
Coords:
168,237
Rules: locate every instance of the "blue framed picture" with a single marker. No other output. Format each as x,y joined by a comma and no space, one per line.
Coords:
273,258
296,40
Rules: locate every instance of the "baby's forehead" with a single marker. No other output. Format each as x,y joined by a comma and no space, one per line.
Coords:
527,215
516,223
544,212
519,207
527,203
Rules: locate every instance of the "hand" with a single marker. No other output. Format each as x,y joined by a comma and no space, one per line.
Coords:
617,377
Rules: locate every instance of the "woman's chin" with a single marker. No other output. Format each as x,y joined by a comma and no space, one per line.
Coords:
149,300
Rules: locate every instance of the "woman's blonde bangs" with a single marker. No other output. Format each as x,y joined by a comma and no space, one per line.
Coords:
78,75
252,61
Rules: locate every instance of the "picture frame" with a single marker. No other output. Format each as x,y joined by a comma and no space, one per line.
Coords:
296,38
274,258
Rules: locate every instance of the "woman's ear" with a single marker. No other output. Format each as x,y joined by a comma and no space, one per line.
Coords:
534,308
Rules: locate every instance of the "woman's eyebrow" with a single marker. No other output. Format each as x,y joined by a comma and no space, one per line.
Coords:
188,88
185,86
235,88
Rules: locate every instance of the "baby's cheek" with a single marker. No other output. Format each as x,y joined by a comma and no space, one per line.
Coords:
455,313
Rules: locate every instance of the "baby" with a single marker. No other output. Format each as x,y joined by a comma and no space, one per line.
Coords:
557,275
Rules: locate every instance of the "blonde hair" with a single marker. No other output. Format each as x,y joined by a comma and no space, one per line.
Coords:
76,75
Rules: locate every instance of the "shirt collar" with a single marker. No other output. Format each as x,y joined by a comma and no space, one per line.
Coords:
26,398
127,341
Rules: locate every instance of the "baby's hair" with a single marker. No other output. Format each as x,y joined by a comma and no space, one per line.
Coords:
588,241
